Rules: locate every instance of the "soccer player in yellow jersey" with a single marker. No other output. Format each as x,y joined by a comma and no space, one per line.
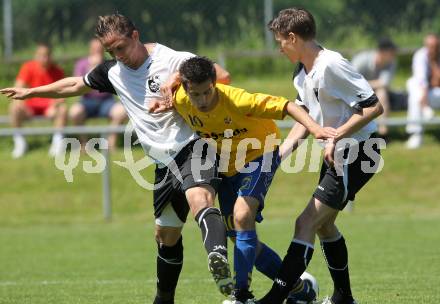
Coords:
235,120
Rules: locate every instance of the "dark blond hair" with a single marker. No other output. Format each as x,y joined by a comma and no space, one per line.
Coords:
294,20
114,24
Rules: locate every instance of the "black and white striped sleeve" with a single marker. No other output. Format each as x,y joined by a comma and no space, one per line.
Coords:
98,77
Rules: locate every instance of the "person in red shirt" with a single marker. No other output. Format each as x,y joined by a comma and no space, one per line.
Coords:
40,71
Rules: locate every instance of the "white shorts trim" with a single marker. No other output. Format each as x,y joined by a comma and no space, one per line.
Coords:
169,218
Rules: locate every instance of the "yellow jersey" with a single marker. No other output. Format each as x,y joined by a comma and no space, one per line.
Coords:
238,118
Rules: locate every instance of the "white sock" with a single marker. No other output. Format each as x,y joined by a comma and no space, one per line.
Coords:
19,139
57,137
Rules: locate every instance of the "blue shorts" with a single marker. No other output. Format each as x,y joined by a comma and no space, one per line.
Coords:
97,107
254,184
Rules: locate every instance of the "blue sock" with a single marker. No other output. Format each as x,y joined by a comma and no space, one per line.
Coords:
244,257
268,262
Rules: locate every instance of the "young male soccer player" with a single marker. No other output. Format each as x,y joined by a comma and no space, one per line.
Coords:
235,119
336,96
135,75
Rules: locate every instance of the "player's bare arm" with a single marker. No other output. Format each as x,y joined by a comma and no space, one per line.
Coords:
291,142
355,123
301,116
67,87
377,84
223,76
359,120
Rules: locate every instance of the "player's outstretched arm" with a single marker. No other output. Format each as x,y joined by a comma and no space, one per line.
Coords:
67,87
223,76
292,141
301,116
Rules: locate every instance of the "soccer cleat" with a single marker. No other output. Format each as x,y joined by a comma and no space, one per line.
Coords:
326,300
414,141
219,267
241,296
56,148
20,148
306,295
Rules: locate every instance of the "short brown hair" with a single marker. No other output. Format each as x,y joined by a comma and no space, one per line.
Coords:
197,70
114,24
294,20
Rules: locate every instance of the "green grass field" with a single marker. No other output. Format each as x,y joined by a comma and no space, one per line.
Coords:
56,248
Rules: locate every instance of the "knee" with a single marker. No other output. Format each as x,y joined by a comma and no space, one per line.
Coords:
16,108
243,218
167,237
118,114
327,230
77,113
171,253
61,110
304,222
199,198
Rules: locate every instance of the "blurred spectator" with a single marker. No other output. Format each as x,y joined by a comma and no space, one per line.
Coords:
96,104
40,71
423,88
378,67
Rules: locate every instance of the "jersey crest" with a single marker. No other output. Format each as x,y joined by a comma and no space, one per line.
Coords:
154,83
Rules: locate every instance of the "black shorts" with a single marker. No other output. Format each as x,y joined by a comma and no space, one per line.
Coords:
360,163
173,181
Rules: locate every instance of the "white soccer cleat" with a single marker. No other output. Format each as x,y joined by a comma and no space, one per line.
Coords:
56,148
414,141
249,301
242,296
327,300
20,148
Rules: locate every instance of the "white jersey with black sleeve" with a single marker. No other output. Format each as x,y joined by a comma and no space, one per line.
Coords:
333,91
162,135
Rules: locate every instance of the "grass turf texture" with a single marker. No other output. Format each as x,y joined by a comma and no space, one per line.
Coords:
57,249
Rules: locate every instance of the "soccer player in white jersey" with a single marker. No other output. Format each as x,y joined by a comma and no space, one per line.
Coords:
136,74
335,96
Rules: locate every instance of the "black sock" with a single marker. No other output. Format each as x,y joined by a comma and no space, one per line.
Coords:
294,264
169,266
336,255
213,230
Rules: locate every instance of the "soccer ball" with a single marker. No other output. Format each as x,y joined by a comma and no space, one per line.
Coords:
307,276
308,294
